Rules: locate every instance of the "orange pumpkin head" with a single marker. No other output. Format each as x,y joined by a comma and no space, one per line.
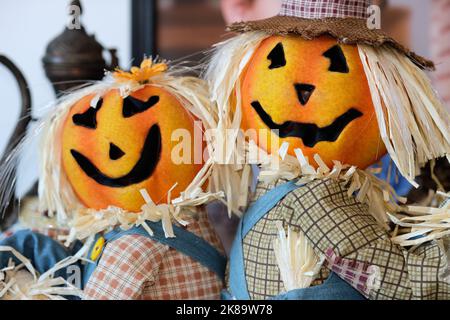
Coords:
123,145
314,95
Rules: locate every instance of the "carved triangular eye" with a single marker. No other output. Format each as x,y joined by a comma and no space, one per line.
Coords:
337,59
88,119
277,57
132,106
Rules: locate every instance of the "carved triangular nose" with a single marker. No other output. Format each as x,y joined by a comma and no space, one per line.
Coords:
115,153
304,92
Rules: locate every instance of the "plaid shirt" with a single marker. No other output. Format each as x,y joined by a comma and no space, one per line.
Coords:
343,230
137,268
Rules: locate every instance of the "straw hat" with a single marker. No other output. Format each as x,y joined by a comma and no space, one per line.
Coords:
345,20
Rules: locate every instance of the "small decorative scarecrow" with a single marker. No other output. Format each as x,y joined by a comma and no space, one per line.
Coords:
114,170
336,95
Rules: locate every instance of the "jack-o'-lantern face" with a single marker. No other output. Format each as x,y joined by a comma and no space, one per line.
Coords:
314,95
113,151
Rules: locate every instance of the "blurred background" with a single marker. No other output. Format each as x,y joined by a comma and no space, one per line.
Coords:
174,29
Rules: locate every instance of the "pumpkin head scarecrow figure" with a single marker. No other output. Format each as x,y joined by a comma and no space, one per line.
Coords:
112,170
336,96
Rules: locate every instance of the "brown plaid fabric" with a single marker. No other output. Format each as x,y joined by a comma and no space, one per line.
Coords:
331,220
137,268
319,9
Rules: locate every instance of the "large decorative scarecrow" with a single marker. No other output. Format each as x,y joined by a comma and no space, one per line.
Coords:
115,169
325,97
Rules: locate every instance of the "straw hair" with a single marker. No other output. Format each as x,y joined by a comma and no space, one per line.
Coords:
226,65
413,123
412,120
56,195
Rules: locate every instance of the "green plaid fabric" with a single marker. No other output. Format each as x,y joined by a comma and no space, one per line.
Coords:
331,219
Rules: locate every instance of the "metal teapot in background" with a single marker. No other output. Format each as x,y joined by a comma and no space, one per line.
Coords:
74,57
11,212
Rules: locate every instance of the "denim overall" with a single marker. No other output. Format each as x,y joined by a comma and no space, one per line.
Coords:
334,288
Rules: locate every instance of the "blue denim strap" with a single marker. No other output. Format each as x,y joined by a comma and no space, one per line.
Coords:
334,288
185,242
238,282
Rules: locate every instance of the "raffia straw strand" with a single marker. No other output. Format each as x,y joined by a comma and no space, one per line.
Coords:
413,122
296,259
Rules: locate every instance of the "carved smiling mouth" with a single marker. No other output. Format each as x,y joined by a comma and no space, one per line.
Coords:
143,169
310,133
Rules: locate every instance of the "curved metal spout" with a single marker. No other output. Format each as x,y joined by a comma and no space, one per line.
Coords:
18,133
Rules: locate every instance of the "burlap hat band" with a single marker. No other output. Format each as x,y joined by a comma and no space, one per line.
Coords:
345,30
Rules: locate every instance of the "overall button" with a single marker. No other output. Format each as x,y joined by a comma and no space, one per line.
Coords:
98,248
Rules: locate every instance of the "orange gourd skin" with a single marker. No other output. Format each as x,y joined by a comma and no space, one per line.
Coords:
335,93
129,134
